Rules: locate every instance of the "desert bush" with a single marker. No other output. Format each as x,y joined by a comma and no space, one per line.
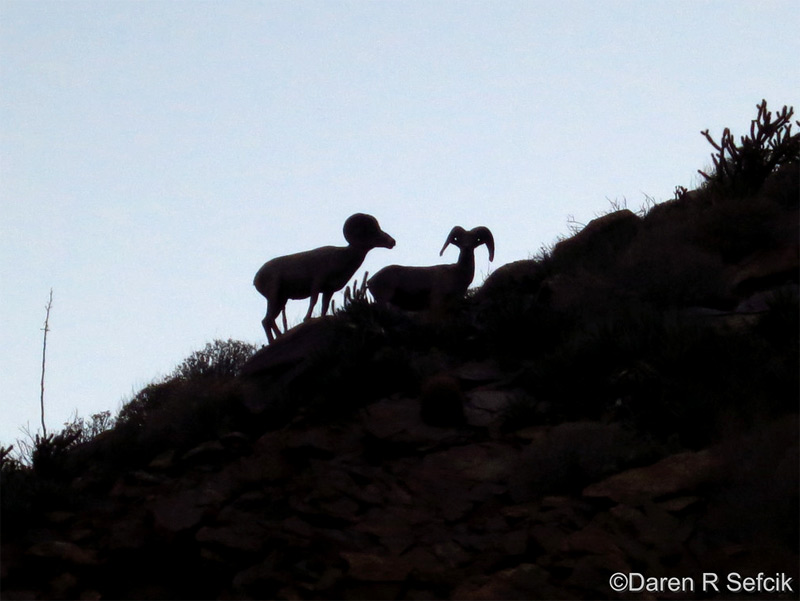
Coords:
199,401
8,462
87,430
134,413
49,451
741,169
356,293
359,313
362,322
220,358
37,479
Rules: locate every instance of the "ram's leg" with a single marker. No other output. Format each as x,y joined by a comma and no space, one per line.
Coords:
269,322
326,301
268,327
311,305
277,331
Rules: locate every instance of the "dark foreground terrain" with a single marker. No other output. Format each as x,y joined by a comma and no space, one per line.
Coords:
615,418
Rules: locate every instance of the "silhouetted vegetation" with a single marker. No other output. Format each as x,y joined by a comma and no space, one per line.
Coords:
742,168
220,359
198,401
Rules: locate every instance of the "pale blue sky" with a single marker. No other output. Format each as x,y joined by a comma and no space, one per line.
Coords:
154,154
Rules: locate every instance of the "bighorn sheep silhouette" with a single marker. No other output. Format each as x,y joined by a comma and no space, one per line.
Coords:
322,270
416,288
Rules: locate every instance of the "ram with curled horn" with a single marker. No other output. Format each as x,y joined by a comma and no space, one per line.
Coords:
323,270
433,287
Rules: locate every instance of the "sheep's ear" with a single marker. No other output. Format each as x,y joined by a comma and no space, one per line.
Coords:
453,237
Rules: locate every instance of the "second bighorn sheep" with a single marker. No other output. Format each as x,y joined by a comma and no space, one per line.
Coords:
415,288
322,270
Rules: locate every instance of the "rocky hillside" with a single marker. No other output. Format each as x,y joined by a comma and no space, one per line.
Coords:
625,402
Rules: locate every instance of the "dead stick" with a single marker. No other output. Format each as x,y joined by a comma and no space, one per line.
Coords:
44,356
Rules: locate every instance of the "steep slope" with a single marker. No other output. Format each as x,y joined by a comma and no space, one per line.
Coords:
626,403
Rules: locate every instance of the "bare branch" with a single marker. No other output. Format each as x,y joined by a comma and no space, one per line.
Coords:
46,329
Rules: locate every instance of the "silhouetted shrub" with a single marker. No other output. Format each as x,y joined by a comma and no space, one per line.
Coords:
741,169
356,293
49,451
221,358
90,429
9,463
38,479
199,401
135,413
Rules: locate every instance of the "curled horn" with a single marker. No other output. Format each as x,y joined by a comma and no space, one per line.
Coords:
453,237
484,236
415,288
364,229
